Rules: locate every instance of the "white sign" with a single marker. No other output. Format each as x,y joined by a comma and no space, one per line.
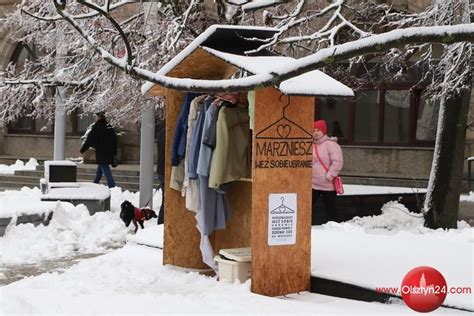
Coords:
282,219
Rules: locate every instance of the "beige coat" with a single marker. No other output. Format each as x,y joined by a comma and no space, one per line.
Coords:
230,157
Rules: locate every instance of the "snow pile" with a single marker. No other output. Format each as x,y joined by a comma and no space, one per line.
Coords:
467,198
23,202
78,191
72,230
395,216
378,251
19,165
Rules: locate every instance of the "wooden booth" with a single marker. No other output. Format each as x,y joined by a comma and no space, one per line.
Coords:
271,211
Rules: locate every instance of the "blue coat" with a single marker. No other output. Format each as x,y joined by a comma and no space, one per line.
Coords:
178,149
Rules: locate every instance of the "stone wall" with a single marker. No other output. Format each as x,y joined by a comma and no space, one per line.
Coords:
41,147
388,162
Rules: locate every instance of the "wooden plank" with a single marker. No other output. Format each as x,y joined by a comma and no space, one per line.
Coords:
198,65
282,153
181,237
237,232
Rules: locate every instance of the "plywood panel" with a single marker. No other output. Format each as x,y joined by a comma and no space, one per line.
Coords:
181,237
281,164
198,65
237,232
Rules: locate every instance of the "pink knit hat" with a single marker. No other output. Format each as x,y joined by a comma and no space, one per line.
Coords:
321,125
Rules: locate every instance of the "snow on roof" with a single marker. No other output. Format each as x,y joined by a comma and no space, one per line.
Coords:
196,44
311,83
260,4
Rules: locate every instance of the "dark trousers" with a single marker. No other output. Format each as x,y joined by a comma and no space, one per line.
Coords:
161,214
329,201
104,169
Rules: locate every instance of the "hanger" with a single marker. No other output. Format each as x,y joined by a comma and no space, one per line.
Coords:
287,103
286,124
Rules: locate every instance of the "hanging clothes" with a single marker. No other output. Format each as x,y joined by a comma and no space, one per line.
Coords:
251,101
214,210
177,177
208,139
178,148
205,245
230,156
190,187
196,139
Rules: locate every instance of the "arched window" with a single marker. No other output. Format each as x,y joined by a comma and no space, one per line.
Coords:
26,124
77,121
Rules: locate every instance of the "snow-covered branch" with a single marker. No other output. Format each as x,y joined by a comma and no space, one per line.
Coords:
256,5
116,25
109,7
49,82
156,33
375,43
181,26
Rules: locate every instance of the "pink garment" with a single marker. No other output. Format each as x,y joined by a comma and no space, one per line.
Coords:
331,154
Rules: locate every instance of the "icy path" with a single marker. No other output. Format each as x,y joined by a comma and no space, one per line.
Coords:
132,280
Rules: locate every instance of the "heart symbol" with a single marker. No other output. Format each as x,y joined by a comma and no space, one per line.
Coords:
283,130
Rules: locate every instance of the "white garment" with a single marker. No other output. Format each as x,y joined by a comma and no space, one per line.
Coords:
205,246
192,195
190,187
177,175
207,252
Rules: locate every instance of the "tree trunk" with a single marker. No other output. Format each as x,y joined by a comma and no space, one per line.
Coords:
442,199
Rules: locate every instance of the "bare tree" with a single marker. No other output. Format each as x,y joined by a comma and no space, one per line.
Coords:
322,36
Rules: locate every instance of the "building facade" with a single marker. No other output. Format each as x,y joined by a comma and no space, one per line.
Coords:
387,132
33,137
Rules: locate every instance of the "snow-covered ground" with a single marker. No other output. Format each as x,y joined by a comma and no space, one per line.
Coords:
370,252
467,197
23,202
377,251
71,231
132,280
19,165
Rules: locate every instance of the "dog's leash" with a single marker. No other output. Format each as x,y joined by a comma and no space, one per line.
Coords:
152,197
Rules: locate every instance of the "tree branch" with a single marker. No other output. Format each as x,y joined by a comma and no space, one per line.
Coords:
182,26
372,44
49,82
80,16
115,24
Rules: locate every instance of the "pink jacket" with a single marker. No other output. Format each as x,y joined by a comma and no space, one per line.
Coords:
331,154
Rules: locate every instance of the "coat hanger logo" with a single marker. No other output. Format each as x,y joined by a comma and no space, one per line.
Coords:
284,128
282,208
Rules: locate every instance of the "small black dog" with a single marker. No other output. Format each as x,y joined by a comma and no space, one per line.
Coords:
130,213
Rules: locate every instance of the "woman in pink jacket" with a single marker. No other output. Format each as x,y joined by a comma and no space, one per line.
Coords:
330,154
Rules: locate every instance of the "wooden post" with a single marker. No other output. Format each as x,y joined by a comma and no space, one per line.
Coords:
281,193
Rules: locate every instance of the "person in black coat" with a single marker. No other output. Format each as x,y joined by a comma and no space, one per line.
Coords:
102,137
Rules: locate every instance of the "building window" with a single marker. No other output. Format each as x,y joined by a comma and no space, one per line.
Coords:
393,116
366,120
427,119
396,116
